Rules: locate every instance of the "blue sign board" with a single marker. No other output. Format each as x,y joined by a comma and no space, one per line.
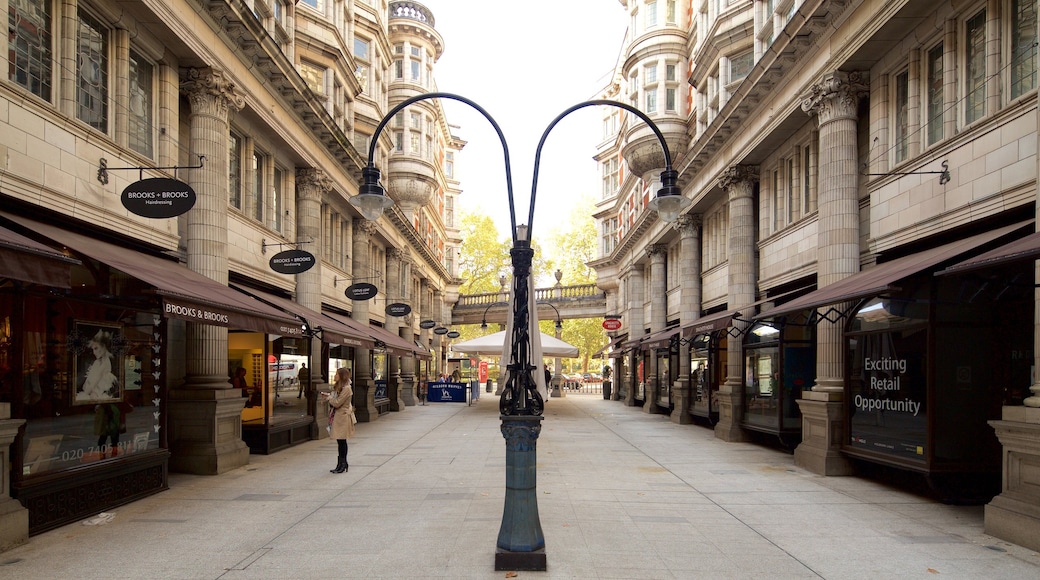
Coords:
381,389
446,393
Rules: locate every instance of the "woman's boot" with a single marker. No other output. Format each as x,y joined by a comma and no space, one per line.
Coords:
340,466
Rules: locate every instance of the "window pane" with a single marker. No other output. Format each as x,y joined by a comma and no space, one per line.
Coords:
258,187
140,105
29,48
1023,47
92,73
975,43
276,201
935,94
235,171
902,116
740,65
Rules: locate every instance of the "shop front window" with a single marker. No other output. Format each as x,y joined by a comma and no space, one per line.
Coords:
706,358
779,363
379,374
887,386
85,383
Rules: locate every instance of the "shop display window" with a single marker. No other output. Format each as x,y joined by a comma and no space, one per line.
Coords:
86,378
779,363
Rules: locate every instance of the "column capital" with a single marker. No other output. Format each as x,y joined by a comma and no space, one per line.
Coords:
688,224
210,90
312,183
363,228
395,254
656,252
836,96
739,177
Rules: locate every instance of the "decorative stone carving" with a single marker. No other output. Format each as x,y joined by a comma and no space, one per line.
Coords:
312,183
210,91
836,96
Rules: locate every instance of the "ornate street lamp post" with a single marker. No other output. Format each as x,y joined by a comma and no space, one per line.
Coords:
521,544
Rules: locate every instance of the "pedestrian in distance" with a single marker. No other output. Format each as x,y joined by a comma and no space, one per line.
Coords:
341,416
303,378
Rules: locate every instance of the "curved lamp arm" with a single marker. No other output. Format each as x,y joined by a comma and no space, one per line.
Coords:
371,174
669,202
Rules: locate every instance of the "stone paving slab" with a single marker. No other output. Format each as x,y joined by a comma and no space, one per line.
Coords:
621,494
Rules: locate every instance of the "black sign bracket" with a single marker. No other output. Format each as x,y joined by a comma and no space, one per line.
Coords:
103,169
264,245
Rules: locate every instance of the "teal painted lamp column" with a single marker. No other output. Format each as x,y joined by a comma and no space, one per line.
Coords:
521,543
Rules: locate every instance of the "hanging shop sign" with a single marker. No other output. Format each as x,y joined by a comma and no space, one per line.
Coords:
440,330
361,291
612,324
454,334
398,309
427,324
292,261
158,197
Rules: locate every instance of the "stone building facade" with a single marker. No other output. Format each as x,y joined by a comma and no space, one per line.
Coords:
854,279
122,334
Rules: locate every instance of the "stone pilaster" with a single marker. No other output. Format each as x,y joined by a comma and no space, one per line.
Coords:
658,289
312,185
437,306
1014,515
739,182
364,385
835,102
636,289
205,413
393,324
14,519
408,382
689,228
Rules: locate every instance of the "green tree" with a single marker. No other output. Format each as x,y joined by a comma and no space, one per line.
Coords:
483,257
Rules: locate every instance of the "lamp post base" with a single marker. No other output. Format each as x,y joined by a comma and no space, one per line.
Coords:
521,543
522,561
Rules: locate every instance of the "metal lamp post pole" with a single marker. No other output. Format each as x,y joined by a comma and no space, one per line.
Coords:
521,543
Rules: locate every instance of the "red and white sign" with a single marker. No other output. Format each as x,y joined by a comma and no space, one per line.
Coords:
612,324
483,370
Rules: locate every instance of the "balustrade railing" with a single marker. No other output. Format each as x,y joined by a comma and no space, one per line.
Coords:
541,295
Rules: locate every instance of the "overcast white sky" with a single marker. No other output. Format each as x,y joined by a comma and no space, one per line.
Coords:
525,63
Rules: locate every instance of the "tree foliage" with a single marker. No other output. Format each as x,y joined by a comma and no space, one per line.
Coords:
483,257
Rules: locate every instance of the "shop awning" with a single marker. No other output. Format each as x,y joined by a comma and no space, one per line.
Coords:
186,294
381,337
27,260
710,323
1027,248
332,331
659,339
883,277
611,346
422,351
393,343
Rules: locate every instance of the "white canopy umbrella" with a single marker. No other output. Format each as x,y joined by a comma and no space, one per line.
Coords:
493,343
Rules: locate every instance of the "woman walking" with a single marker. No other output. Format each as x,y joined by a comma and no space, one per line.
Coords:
341,415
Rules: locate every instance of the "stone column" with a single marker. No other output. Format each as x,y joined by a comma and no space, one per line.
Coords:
364,385
658,289
835,102
206,412
1014,515
739,181
393,324
689,228
424,314
14,519
312,185
407,385
636,290
437,307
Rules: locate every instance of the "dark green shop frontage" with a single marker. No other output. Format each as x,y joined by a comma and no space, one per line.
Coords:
932,355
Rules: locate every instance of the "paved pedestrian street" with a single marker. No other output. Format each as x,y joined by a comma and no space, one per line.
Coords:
621,494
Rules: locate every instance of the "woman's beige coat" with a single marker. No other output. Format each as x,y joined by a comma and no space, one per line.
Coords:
340,401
